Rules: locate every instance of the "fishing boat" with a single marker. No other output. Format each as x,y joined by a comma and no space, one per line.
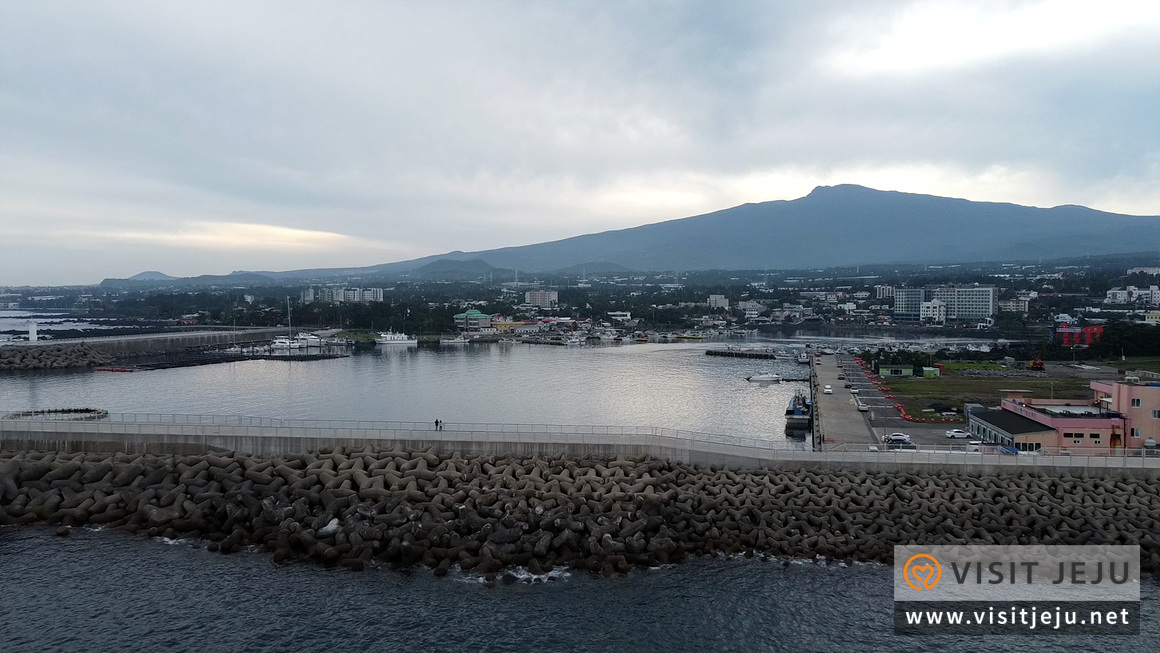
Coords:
797,414
392,338
764,377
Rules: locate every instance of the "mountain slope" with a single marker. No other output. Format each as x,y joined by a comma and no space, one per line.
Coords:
832,226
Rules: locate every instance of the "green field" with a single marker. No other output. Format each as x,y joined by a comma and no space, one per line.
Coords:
916,394
955,367
1150,364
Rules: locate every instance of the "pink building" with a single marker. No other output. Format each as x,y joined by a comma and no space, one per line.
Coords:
1119,415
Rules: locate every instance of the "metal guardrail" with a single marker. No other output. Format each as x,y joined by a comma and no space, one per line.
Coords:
145,423
659,442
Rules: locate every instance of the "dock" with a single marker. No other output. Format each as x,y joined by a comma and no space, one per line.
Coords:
742,353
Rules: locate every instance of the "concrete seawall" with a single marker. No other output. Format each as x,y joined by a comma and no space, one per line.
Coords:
661,444
68,352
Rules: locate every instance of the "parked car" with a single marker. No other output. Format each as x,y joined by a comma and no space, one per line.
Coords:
958,434
828,390
841,377
853,391
847,386
896,438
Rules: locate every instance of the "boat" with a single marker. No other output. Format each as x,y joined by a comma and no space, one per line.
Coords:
285,342
768,377
457,340
306,340
339,342
803,358
573,342
392,338
690,336
797,414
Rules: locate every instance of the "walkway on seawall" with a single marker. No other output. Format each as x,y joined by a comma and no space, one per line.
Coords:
267,437
153,342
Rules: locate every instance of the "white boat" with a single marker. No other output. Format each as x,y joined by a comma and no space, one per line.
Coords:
768,377
457,340
285,342
574,342
803,358
306,340
392,338
339,342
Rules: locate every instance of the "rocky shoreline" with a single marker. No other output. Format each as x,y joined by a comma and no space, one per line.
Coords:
52,357
487,513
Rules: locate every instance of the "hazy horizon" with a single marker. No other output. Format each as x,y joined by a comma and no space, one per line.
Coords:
202,139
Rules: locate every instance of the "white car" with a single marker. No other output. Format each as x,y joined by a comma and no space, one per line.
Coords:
827,390
896,438
958,433
853,391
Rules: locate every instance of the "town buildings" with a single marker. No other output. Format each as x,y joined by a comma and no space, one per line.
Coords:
335,295
961,302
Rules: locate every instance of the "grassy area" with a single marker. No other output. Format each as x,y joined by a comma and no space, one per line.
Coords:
955,367
1151,364
916,394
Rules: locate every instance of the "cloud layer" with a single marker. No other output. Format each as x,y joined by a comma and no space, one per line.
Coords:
203,138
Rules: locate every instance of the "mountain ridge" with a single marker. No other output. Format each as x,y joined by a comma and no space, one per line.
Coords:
845,224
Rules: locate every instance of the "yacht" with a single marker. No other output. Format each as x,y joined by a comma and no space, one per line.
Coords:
767,377
286,342
306,340
392,338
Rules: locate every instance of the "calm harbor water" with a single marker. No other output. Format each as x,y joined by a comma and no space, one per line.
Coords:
674,386
111,591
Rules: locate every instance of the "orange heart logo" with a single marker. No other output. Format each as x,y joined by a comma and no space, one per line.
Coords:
924,570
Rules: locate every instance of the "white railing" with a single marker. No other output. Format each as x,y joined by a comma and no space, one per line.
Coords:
240,425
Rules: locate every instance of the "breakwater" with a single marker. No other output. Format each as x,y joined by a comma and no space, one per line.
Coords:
51,357
485,513
91,352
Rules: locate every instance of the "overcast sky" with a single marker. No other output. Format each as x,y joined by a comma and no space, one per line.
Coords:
200,137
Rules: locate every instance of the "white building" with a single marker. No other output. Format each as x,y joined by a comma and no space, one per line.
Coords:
620,316
330,295
542,298
883,292
718,301
933,312
961,302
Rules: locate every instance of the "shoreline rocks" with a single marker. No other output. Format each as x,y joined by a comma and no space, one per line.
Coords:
52,357
488,513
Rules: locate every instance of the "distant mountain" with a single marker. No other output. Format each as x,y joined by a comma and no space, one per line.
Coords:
845,225
453,270
151,275
832,226
593,267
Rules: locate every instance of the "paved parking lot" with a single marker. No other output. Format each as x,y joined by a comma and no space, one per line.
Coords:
840,413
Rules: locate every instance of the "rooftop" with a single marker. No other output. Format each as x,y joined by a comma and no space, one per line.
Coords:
1010,423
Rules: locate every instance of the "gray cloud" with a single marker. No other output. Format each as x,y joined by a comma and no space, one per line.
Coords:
403,129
